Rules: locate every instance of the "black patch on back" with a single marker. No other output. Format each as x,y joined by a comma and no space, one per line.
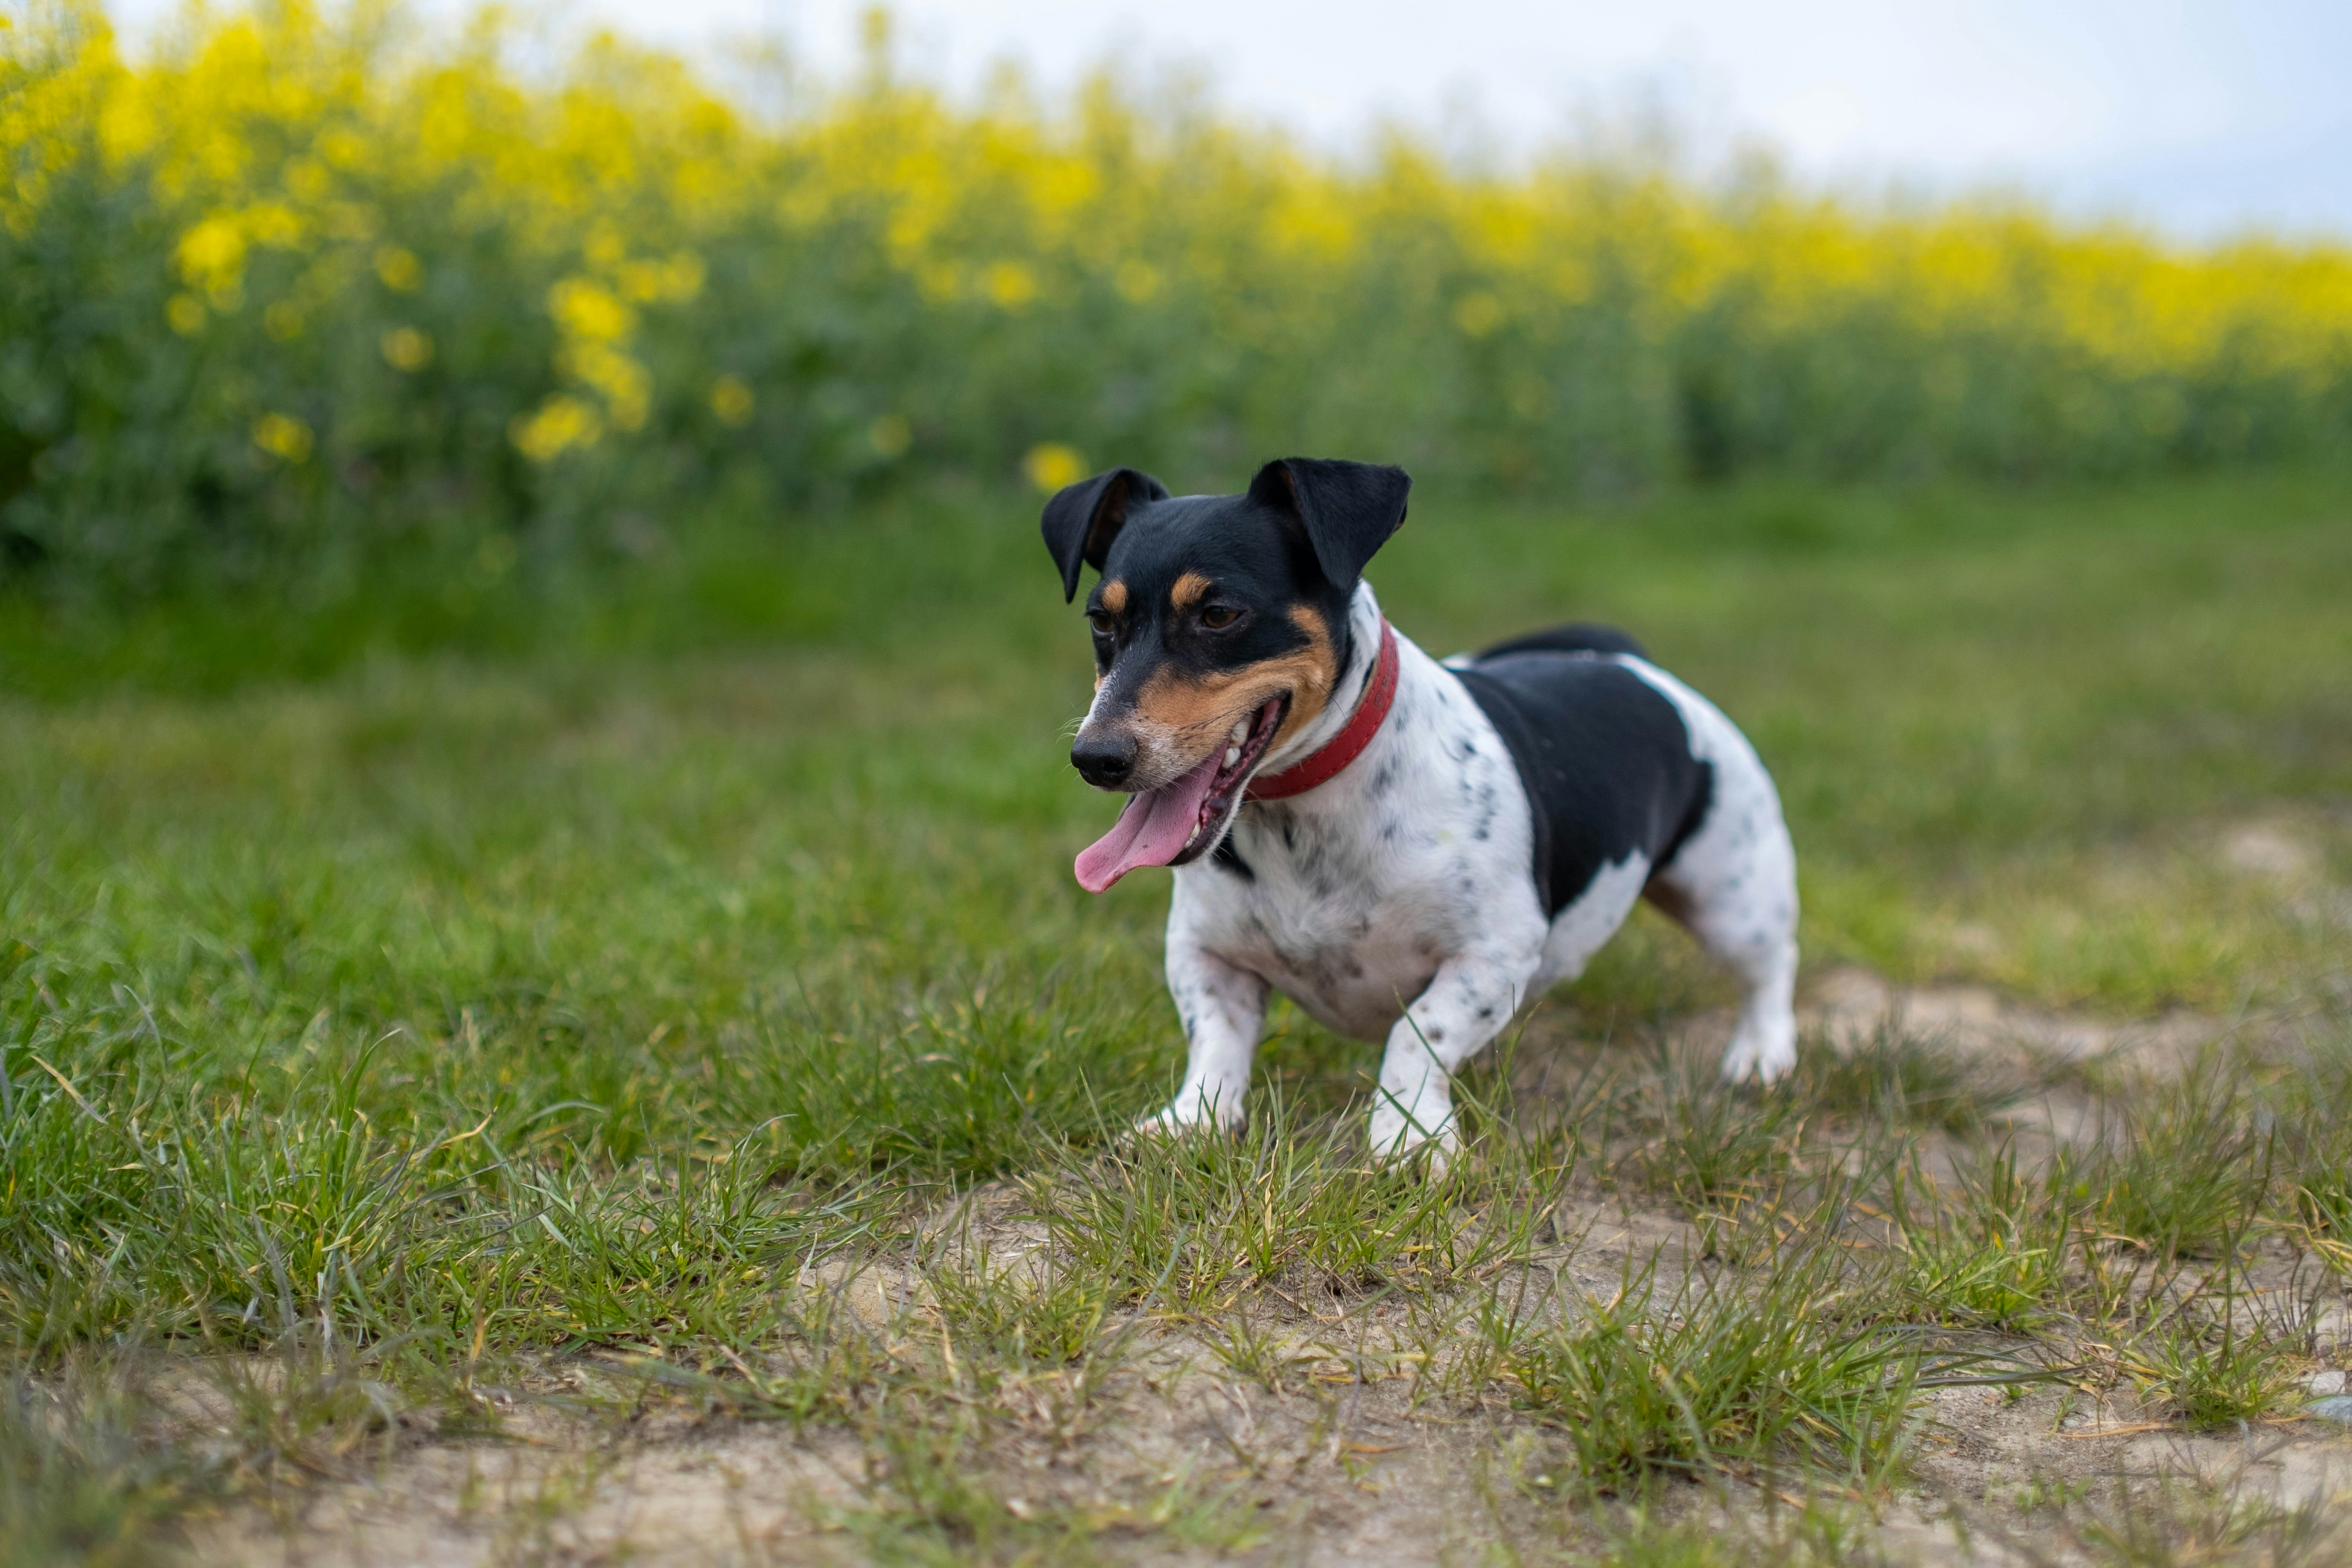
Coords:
1576,637
1606,760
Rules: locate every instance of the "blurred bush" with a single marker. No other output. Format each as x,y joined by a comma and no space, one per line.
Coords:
306,295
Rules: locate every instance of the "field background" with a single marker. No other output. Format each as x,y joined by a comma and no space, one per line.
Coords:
532,707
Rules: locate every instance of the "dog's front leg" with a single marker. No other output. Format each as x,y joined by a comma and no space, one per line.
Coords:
1467,1003
1223,1013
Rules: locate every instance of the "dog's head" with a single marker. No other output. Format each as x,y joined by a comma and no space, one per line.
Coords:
1220,629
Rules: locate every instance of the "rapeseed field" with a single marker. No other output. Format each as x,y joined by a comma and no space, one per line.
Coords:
294,287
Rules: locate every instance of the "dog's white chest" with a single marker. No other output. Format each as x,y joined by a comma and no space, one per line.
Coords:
1355,894
1351,958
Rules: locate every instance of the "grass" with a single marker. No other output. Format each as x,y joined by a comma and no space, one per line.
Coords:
1819,1537
1902,1076
631,993
1990,1247
1719,1373
2184,1170
80,1479
2182,1522
1297,1204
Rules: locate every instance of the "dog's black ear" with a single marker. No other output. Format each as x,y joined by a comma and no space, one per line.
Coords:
1083,518
1347,509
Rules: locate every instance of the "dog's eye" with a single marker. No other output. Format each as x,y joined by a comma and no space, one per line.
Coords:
1100,621
1217,617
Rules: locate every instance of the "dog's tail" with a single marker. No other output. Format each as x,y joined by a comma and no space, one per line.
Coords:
1576,637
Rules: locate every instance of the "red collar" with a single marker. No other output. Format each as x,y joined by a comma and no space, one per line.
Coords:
1324,763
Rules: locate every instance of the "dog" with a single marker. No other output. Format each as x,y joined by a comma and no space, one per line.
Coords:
1411,851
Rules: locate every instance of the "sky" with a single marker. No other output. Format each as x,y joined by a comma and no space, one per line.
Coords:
2199,118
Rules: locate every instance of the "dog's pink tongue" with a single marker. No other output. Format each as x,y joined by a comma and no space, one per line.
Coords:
1152,831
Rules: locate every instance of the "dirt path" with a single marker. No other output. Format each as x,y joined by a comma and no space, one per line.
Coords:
1338,1455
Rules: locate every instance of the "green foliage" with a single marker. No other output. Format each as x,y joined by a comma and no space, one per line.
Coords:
1990,1249
1715,1147
1721,1372
2313,1103
2213,1378
1900,1075
2178,1522
2186,1168
1038,1309
1822,1536
1190,1224
81,1479
315,300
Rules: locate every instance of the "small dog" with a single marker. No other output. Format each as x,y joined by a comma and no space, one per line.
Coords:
1411,851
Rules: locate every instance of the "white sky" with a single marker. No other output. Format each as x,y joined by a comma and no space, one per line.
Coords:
2197,116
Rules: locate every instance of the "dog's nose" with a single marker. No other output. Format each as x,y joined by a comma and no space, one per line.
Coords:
1103,763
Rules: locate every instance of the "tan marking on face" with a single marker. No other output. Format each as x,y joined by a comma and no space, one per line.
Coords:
1318,671
1114,596
1188,590
1183,717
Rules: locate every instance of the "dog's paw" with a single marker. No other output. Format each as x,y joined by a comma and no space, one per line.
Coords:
1752,1059
1422,1134
1190,1114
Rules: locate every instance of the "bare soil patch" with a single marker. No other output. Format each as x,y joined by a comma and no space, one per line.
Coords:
1310,1424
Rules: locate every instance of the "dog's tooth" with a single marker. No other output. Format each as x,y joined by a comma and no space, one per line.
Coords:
1233,755
1241,732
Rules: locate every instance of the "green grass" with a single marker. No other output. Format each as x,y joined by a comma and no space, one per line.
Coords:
1717,1374
569,984
2180,1522
79,1481
2187,1169
1991,1246
1905,1077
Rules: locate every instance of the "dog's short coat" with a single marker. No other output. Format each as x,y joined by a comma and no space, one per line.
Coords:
1494,832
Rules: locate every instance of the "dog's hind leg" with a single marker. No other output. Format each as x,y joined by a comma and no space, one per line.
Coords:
1734,884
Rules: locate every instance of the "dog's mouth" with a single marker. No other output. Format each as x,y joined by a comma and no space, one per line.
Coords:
1181,821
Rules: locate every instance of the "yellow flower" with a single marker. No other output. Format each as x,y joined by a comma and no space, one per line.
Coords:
561,423
640,281
731,400
211,256
1010,285
407,348
283,436
678,280
399,268
626,385
282,134
585,308
1051,466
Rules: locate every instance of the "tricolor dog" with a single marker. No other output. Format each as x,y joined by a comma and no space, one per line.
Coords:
1412,850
